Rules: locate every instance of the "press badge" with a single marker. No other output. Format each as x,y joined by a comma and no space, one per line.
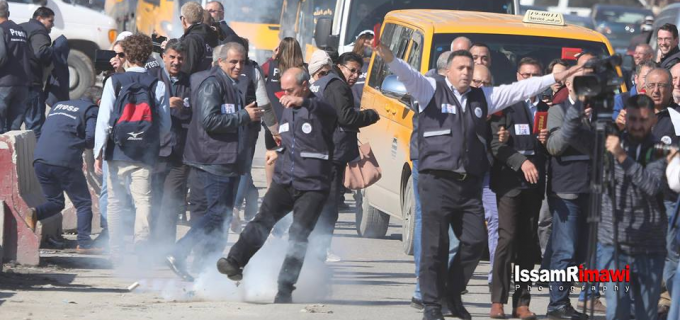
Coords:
522,129
448,108
228,108
284,127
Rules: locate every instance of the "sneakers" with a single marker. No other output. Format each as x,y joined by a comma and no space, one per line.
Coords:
230,268
417,304
178,268
31,218
566,313
332,257
89,250
599,307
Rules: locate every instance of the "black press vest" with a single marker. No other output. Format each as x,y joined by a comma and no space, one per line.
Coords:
63,139
17,70
569,172
664,132
413,144
452,140
306,146
344,138
520,124
207,148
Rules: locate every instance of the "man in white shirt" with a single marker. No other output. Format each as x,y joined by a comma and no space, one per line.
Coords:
452,148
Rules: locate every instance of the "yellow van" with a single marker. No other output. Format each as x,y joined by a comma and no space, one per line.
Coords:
419,37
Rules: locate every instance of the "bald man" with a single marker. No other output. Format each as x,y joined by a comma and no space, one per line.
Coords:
461,43
643,52
301,182
481,77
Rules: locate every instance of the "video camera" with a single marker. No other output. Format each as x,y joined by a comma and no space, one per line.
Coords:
600,86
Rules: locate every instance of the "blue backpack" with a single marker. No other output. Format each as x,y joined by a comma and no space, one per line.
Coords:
134,124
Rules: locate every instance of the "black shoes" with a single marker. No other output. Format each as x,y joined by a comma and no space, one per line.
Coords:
417,304
179,268
433,314
566,313
283,298
230,268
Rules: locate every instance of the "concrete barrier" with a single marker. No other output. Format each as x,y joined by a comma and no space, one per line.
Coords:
19,191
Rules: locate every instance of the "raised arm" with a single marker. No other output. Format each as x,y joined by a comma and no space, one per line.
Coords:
421,88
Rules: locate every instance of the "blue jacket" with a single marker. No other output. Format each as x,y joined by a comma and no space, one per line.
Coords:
619,101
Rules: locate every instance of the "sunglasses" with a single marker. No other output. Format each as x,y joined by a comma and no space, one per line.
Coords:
120,54
355,71
322,73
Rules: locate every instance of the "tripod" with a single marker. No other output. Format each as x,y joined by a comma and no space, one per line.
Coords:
601,183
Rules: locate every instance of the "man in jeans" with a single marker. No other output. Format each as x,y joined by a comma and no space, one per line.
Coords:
122,167
215,149
640,221
14,70
38,32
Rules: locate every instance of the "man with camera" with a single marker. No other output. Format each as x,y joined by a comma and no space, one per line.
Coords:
632,229
568,182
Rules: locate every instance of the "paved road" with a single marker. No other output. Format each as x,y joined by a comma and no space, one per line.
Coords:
374,280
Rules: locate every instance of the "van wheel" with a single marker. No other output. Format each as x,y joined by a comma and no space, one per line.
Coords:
408,209
81,73
370,222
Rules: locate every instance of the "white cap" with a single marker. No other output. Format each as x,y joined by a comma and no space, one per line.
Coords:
123,35
319,59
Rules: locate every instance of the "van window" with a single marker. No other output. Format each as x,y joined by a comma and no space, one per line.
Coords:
507,50
416,55
397,38
364,14
21,1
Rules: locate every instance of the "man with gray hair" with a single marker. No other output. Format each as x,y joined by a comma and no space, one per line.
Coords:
219,121
195,39
301,183
461,43
14,71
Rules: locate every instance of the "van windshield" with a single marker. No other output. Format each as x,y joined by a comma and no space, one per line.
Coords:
508,50
364,14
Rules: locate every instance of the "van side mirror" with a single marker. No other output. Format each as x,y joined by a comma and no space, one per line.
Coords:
322,32
393,88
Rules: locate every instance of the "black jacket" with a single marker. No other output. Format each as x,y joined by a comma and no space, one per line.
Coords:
196,40
227,31
670,59
339,95
40,41
57,87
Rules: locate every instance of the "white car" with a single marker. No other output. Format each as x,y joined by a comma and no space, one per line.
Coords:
85,29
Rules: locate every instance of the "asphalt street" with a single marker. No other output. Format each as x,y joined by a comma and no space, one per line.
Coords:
374,280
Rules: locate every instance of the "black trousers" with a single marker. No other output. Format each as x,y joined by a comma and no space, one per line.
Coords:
169,199
325,227
517,242
277,203
447,201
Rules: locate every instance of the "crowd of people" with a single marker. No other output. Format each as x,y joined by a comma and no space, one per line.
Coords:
177,133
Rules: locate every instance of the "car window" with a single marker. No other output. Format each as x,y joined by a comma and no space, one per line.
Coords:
397,38
416,54
508,50
21,1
